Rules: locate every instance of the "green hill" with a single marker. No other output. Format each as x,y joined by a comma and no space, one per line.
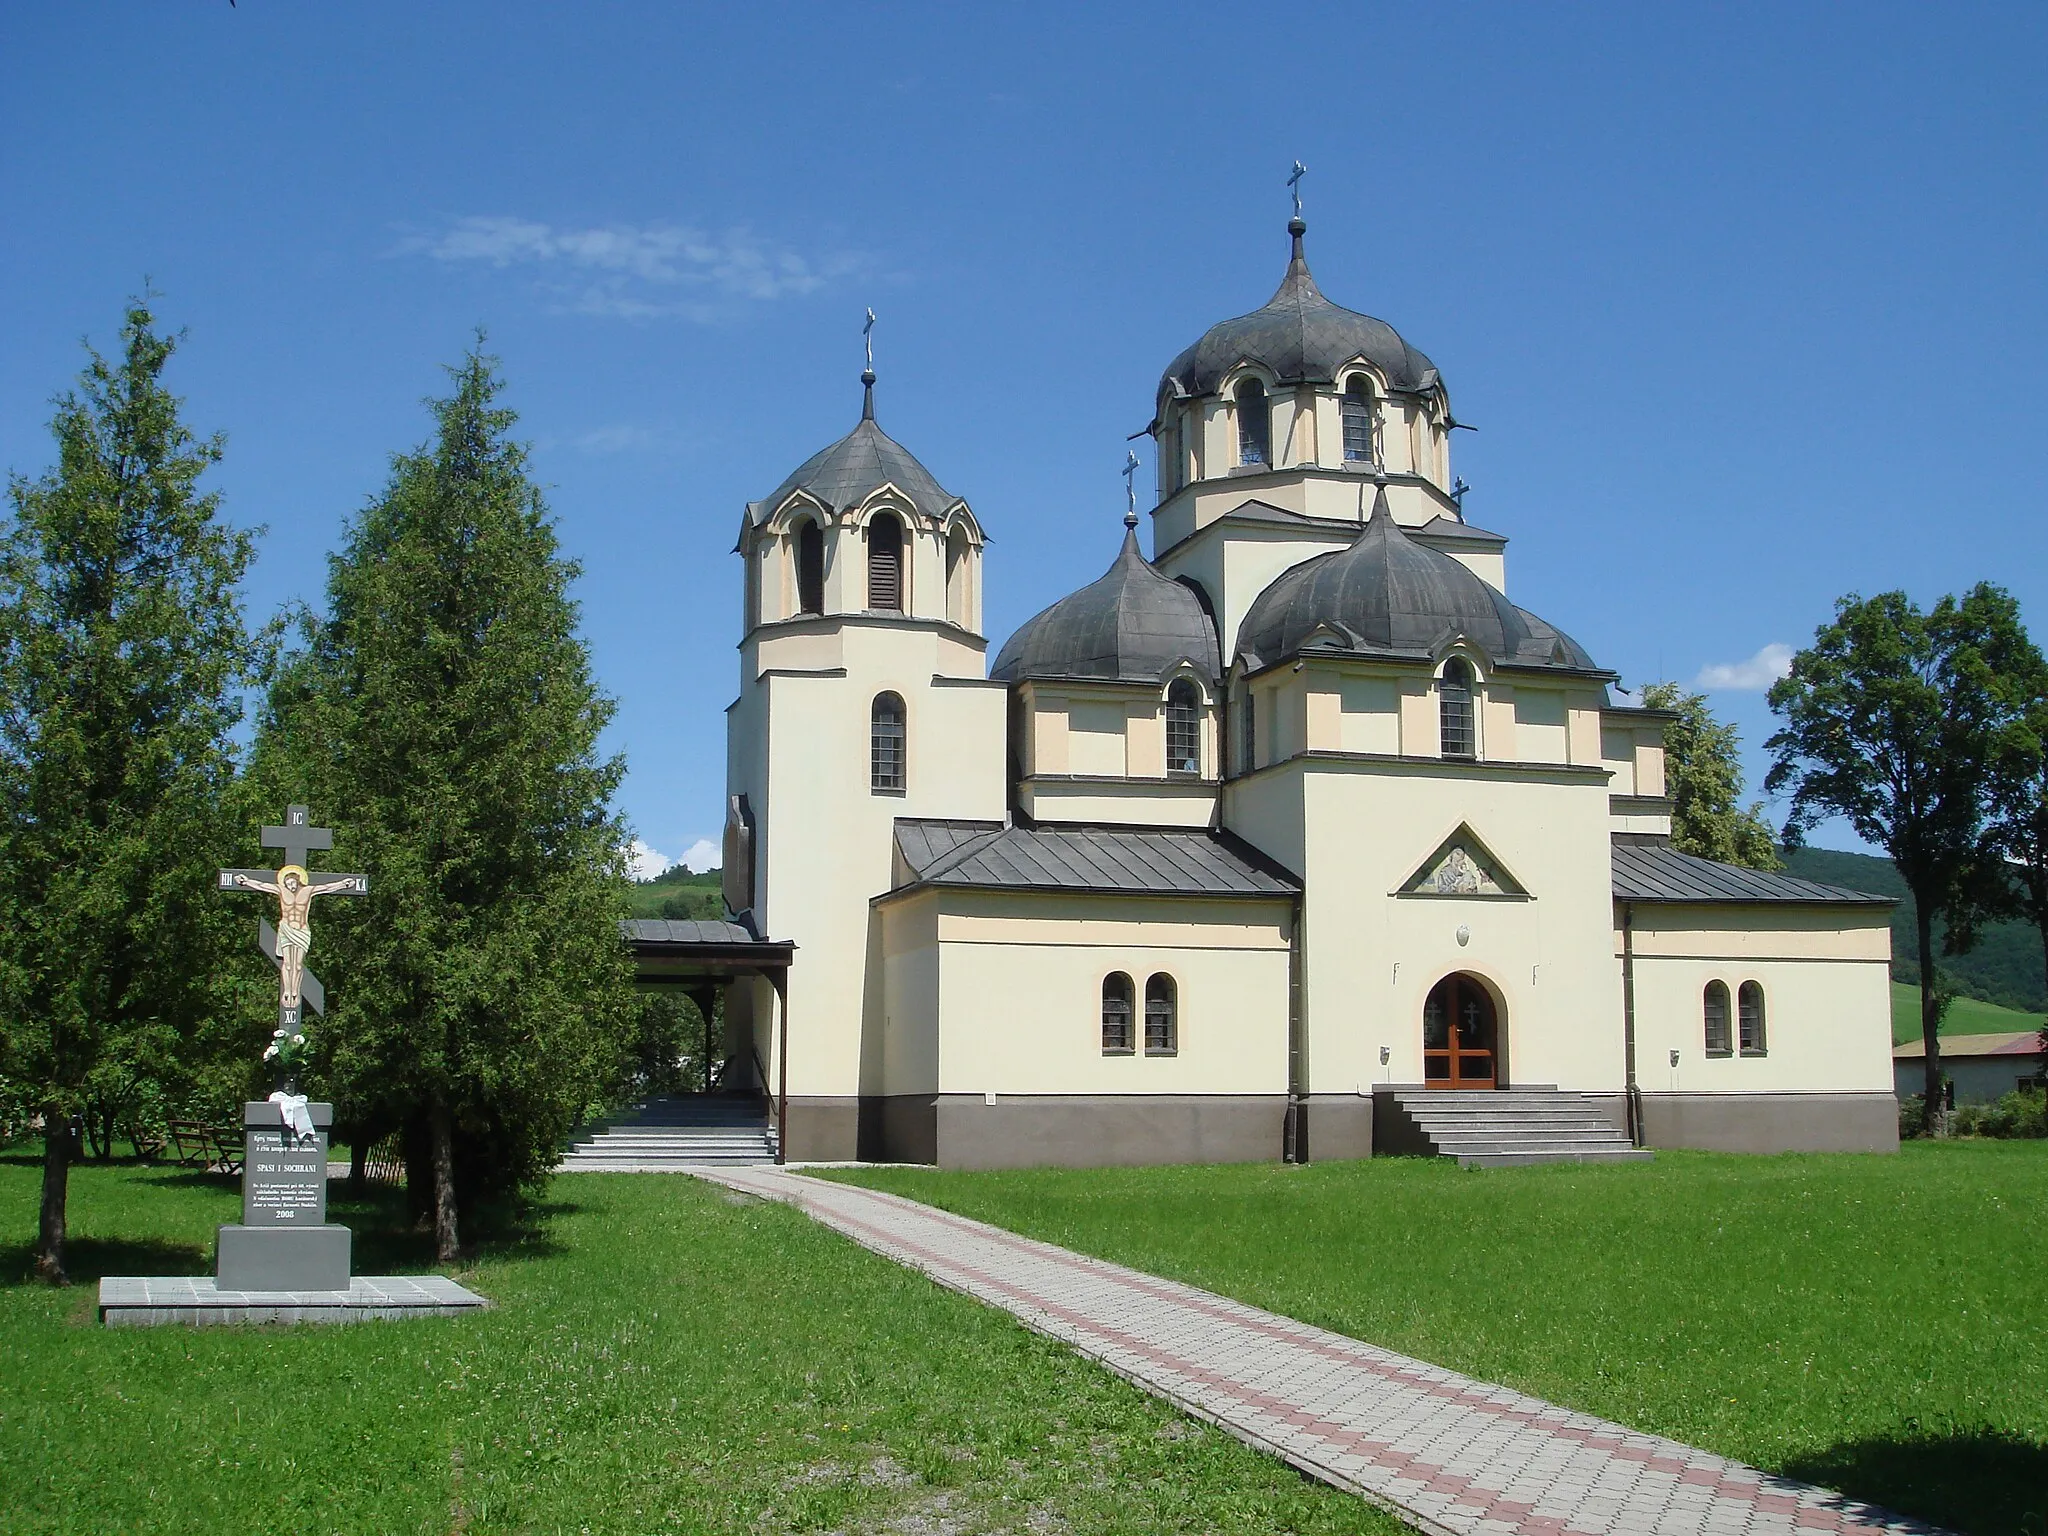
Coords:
2005,968
677,893
1966,1016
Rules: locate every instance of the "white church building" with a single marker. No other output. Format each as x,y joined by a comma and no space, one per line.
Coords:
1296,838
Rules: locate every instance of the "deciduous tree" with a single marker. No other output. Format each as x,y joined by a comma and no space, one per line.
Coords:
123,662
1891,720
1703,776
444,720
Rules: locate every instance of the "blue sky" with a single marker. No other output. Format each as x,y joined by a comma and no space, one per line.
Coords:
1747,303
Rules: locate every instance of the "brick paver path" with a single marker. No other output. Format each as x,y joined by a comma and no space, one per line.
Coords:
1443,1451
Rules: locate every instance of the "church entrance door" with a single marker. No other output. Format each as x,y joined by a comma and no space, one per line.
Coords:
1460,1035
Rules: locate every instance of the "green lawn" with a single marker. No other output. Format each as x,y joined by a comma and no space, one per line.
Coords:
1966,1016
1876,1324
661,1357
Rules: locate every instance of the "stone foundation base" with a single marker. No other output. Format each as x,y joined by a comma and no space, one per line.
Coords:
1772,1122
194,1301
1091,1131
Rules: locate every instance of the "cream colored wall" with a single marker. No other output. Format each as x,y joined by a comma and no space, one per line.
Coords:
1129,802
826,839
1107,731
1019,1007
1357,829
1825,972
910,970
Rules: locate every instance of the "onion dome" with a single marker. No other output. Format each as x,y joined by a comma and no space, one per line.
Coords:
1387,594
859,464
1132,625
1302,338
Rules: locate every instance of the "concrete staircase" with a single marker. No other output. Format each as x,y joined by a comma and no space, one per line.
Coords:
1500,1128
670,1135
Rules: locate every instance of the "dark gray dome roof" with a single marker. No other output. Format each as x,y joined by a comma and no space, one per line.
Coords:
1133,625
1302,337
859,464
1388,593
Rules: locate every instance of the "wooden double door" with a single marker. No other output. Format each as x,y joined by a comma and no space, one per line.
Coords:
1460,1035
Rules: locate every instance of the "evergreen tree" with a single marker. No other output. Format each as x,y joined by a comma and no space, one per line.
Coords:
2019,800
123,661
444,720
1703,776
1891,720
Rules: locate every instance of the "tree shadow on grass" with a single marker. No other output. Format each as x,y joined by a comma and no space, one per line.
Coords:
387,1241
89,1258
1982,1482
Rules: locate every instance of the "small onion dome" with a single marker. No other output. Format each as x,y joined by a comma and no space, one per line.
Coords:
1302,338
859,464
1388,594
1132,625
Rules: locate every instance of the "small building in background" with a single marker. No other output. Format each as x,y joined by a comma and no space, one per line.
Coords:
1982,1068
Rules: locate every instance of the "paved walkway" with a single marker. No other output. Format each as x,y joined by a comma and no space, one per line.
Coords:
1443,1451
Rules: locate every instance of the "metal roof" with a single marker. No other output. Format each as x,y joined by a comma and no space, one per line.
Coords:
847,472
1300,336
1389,593
1648,868
669,930
1131,624
1133,861
2022,1042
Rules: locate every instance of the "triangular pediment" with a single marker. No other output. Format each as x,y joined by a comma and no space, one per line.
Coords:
1462,866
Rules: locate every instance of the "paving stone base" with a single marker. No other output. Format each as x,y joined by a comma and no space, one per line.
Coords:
143,1301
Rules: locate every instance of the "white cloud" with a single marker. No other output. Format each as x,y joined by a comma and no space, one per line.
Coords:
638,271
701,855
1759,671
643,863
621,438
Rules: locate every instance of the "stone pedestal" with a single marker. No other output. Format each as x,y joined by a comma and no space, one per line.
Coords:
284,1242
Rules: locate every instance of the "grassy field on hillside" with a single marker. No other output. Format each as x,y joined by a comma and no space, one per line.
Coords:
1874,1324
1966,1016
660,1357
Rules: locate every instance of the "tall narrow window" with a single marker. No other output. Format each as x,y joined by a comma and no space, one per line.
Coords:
885,744
1247,732
1184,730
957,604
885,564
1162,1016
1116,1014
1358,422
1750,1018
810,568
1254,424
1183,452
1719,1040
1454,704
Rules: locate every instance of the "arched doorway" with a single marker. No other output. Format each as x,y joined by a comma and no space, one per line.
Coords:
1460,1035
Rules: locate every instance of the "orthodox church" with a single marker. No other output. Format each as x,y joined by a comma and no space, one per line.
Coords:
1296,838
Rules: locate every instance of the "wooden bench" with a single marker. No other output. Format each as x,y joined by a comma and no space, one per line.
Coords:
215,1148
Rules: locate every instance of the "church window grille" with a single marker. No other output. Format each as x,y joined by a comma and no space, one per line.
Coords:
1116,1014
1254,424
1359,447
810,568
1183,451
1162,1016
1454,704
1248,736
1719,1042
886,745
1184,730
885,564
1749,1015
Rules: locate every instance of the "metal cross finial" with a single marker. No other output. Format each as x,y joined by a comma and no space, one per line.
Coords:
1294,185
1131,487
867,334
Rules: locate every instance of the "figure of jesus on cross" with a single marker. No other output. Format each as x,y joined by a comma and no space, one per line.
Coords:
294,886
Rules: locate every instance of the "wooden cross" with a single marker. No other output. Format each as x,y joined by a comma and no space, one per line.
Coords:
294,886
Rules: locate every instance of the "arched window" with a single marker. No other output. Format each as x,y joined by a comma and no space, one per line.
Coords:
1750,1018
1116,1014
1184,730
1247,733
1719,1040
956,577
1359,421
885,564
885,744
810,568
1254,424
1454,706
1162,1016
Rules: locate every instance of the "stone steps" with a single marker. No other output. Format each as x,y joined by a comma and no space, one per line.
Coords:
1503,1128
674,1135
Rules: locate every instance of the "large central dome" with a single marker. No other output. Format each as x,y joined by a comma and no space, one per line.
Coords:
1302,338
